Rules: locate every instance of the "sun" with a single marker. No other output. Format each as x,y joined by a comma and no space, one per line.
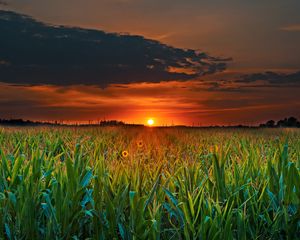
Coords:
150,122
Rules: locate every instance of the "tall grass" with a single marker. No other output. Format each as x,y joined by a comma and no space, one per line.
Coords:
77,183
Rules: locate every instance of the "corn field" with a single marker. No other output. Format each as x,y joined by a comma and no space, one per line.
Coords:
149,183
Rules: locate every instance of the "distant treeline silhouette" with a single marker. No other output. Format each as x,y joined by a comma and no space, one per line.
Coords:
116,123
286,122
21,122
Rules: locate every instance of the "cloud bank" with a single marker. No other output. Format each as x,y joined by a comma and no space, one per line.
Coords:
36,53
272,78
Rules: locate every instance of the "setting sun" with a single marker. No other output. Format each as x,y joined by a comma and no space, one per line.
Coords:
150,122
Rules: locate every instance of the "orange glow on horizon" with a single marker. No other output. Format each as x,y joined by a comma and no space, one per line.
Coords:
192,103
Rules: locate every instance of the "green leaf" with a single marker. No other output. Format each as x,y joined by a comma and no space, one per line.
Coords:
86,179
12,198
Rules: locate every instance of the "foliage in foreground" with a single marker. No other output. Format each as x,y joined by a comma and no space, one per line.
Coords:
147,183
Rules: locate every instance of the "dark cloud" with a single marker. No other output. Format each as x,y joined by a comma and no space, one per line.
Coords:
272,78
3,3
224,87
35,53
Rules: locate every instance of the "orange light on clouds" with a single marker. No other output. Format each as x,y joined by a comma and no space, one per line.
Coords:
197,103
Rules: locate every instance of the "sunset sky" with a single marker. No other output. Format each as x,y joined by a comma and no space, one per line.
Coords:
178,62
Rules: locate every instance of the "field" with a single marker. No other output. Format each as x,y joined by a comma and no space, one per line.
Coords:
149,183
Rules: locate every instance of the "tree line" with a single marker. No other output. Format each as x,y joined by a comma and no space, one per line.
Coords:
286,122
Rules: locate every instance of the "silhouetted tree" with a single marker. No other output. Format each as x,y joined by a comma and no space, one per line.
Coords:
292,122
288,122
270,123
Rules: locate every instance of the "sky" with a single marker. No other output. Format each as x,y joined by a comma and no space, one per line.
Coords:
179,62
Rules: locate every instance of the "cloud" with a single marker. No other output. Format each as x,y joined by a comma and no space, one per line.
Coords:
291,28
272,78
37,53
4,3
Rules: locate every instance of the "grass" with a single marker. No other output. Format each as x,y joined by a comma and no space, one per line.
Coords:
77,183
